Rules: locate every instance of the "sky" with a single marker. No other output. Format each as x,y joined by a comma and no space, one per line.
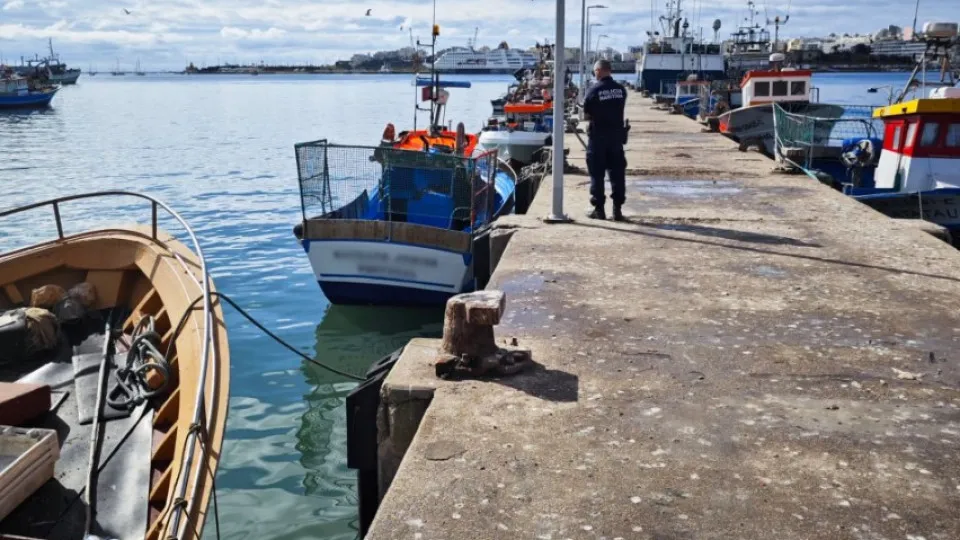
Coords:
166,34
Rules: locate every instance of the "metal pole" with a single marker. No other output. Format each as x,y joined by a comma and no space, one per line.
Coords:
583,37
559,122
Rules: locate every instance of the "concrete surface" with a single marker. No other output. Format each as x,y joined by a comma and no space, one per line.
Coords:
754,356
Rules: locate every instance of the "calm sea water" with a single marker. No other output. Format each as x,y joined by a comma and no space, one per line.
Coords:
219,149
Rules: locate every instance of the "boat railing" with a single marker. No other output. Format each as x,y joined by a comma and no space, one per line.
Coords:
801,139
432,188
184,505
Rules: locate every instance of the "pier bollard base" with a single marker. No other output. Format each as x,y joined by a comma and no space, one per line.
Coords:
468,348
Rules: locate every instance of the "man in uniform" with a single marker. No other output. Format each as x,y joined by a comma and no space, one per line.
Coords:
603,106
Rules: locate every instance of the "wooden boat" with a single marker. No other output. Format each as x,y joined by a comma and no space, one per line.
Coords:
158,462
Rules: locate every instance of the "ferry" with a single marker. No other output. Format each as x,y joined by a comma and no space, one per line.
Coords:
467,60
674,54
398,223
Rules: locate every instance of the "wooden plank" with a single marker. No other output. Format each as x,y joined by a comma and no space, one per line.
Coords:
112,286
158,492
22,402
412,233
32,454
164,450
13,294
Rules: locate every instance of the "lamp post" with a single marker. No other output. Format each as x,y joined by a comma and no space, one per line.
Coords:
597,48
584,41
559,122
590,31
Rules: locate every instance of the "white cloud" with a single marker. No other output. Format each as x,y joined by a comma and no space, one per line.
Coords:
99,31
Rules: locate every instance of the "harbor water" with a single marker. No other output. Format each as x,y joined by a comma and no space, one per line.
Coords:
219,149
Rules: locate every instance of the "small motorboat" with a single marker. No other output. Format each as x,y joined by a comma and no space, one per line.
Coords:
520,133
399,223
17,91
120,347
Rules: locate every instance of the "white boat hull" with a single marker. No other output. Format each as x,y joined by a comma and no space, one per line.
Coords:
387,273
513,145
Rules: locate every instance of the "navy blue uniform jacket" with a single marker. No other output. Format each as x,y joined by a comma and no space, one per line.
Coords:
604,104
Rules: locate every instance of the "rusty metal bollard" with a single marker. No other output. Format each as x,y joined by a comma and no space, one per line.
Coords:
468,347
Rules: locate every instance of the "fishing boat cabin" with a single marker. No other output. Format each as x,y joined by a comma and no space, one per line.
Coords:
776,86
921,143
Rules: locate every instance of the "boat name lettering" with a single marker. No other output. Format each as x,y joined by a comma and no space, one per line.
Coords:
386,271
414,260
361,255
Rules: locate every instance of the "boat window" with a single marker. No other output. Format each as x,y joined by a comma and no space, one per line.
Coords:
762,88
798,88
897,131
779,88
930,132
911,135
953,136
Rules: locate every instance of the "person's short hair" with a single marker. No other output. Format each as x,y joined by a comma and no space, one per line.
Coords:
605,65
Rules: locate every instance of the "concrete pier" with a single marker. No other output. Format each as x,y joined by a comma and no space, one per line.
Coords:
754,356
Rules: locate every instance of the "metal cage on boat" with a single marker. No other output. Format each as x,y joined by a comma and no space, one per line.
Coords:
802,140
386,184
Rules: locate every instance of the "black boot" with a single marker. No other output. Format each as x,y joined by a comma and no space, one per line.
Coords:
617,214
598,213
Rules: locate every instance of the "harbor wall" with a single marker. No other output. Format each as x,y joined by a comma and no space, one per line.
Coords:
752,354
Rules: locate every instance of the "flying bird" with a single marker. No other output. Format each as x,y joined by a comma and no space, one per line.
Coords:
368,12
127,11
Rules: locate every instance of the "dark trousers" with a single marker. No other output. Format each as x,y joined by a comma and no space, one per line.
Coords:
602,156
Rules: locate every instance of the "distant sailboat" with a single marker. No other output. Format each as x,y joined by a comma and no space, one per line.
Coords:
138,71
91,71
117,71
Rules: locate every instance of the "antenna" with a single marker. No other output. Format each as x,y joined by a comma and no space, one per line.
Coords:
916,10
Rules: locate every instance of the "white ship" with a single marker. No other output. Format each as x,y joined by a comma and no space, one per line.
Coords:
674,54
470,60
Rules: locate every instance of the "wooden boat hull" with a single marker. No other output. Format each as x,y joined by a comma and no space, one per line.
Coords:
144,273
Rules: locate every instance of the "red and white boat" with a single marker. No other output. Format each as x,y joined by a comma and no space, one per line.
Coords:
918,173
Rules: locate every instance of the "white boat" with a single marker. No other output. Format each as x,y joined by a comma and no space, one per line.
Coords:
674,54
753,123
499,60
522,131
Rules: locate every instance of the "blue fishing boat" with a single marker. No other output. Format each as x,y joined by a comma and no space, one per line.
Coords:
16,92
404,222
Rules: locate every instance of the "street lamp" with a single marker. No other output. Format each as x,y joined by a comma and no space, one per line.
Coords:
889,88
597,48
585,40
589,32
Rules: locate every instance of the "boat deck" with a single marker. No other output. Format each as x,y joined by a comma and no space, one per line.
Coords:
753,356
